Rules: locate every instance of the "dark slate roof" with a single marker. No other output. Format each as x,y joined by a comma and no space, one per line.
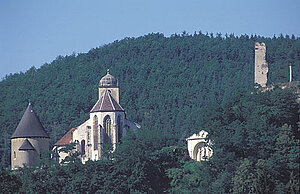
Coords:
26,145
66,139
30,125
106,103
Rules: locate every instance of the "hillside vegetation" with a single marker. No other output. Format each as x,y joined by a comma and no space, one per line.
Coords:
255,143
172,86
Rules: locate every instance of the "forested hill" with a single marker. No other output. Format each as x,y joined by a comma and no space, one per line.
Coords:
164,81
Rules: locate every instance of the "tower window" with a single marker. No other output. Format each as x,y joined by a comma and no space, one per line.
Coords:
15,156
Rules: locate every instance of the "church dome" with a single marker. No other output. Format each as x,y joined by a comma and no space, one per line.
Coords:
108,81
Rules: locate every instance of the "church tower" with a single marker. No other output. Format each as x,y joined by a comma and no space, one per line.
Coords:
107,116
28,141
107,124
110,83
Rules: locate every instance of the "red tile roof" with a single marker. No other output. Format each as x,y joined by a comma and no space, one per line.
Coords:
106,103
66,139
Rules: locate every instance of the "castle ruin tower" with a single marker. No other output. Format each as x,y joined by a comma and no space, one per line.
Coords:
261,66
28,141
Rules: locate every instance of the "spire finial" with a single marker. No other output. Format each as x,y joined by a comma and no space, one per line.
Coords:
29,103
107,71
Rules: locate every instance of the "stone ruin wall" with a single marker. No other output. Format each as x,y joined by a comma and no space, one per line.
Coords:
261,66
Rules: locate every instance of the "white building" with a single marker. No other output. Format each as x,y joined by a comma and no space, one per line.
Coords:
106,125
199,147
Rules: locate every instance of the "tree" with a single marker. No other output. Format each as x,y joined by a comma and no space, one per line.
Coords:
9,183
243,178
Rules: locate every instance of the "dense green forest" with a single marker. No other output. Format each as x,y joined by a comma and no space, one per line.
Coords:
256,150
173,87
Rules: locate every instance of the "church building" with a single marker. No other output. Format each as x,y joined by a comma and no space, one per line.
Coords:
107,124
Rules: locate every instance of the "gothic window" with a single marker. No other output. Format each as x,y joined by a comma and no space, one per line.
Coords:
107,129
95,127
119,129
83,147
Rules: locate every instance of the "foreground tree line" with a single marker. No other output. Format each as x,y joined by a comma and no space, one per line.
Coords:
256,150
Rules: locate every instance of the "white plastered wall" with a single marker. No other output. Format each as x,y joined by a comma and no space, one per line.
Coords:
199,147
81,133
101,115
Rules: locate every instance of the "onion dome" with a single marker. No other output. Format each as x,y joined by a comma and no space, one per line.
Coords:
108,81
29,126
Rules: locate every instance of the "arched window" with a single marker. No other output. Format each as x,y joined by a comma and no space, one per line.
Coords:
83,147
119,129
95,127
107,129
15,155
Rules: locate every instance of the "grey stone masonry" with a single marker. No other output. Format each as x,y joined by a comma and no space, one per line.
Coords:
261,66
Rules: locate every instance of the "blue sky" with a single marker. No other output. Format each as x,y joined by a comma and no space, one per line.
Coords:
36,32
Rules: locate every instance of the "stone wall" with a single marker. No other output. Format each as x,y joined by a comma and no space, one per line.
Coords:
19,158
261,66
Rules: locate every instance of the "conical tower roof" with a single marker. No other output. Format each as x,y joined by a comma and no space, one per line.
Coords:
29,126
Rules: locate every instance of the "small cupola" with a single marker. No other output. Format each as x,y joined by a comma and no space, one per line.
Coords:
108,81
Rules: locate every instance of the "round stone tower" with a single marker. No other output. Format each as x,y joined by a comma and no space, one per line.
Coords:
28,141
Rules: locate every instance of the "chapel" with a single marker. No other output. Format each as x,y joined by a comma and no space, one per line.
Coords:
107,124
29,141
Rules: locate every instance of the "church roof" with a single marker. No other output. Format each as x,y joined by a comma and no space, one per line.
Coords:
26,145
106,103
30,125
66,139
